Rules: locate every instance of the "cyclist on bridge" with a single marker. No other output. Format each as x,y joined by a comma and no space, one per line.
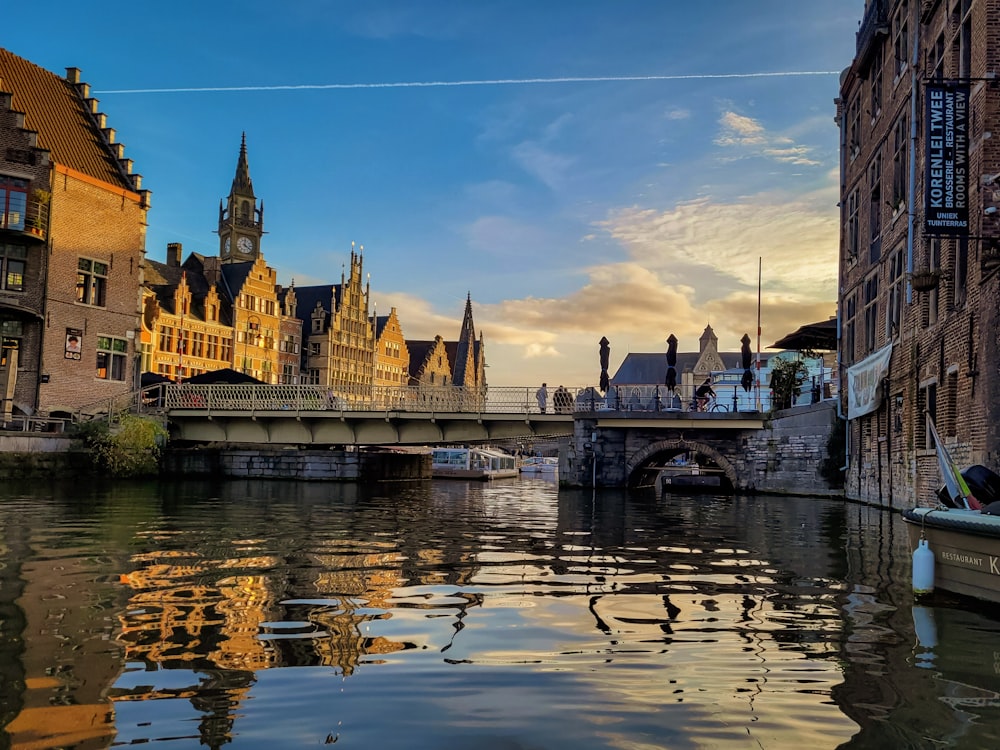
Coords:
703,394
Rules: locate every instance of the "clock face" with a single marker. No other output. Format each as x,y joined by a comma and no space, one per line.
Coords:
245,244
226,247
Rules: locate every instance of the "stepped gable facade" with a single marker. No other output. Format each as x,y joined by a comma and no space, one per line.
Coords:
460,363
191,321
430,364
338,333
919,292
392,357
72,240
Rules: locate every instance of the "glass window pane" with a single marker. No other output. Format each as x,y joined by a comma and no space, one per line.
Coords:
15,275
16,203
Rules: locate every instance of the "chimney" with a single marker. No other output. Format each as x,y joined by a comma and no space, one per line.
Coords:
174,251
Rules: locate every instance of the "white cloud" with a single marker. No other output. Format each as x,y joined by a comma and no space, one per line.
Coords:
749,138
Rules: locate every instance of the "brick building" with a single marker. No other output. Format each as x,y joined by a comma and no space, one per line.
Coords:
72,239
919,294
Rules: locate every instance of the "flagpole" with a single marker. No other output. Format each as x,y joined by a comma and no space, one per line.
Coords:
760,262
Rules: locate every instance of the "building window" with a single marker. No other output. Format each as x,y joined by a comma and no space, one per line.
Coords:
13,202
875,105
111,357
926,409
875,208
13,261
937,61
899,163
854,126
871,312
11,333
965,39
901,38
314,350
893,315
853,237
91,282
166,339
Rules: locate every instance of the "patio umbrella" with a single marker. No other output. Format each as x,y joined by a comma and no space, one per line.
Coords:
225,376
605,352
671,379
746,357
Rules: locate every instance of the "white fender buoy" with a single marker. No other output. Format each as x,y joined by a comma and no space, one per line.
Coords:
923,568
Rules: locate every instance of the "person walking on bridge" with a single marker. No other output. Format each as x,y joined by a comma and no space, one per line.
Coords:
542,395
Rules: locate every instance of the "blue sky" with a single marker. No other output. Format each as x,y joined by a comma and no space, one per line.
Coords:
582,168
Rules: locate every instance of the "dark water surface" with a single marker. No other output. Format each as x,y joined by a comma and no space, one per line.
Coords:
505,616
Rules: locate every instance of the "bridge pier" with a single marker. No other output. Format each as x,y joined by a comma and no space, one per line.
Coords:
782,455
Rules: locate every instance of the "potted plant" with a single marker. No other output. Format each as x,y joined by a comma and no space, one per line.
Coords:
41,202
925,279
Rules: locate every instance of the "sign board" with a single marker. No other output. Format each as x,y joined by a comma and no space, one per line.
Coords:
946,178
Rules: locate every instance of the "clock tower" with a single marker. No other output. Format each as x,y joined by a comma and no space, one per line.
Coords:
241,220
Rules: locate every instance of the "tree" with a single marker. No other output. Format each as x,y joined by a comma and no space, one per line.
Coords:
131,449
787,379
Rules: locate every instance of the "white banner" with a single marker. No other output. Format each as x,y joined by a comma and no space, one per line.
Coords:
864,382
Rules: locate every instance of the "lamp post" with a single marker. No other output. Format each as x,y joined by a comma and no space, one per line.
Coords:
253,324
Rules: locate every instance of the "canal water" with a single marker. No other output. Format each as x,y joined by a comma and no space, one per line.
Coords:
503,616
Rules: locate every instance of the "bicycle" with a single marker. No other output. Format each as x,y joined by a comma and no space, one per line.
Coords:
715,405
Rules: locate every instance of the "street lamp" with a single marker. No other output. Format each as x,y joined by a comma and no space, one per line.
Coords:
253,325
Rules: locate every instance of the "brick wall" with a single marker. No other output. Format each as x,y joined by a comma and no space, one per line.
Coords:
98,222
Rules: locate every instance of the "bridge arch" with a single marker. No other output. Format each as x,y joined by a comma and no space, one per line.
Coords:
638,459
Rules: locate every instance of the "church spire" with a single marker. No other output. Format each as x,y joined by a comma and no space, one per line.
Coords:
242,184
465,356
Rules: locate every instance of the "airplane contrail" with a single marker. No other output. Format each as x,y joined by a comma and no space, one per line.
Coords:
485,82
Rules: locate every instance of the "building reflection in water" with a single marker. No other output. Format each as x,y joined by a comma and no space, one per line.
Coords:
194,611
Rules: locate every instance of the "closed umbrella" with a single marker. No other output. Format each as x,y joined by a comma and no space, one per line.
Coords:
747,357
671,379
605,352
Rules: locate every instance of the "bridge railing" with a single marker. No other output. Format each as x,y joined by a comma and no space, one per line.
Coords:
435,399
315,398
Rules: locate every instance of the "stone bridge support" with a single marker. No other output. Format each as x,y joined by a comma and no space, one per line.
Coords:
783,456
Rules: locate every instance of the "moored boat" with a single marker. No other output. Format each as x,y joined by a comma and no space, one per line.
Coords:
472,463
965,545
956,547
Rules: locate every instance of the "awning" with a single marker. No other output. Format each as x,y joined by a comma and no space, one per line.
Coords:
816,337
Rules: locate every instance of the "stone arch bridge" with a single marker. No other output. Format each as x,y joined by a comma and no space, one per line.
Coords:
606,447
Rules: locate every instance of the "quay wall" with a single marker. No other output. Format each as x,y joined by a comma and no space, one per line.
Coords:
268,462
30,456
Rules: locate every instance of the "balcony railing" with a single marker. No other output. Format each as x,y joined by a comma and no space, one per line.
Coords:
34,220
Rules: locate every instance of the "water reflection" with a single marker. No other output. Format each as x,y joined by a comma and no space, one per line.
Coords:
501,615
